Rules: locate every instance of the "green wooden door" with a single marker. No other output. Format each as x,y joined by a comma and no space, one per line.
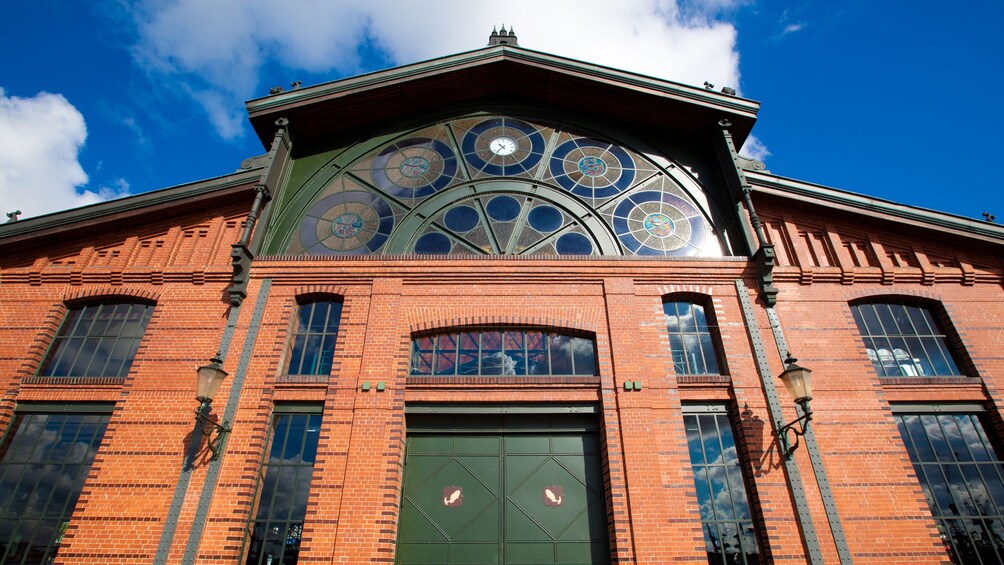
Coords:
527,492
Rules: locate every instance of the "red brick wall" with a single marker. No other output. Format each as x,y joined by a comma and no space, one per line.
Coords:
353,506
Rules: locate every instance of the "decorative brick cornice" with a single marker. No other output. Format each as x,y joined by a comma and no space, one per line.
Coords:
84,296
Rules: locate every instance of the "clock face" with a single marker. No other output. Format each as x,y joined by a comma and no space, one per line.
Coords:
502,146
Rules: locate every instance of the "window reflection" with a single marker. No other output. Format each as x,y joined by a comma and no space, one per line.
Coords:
98,340
721,494
314,342
690,339
285,486
904,341
503,352
43,465
960,474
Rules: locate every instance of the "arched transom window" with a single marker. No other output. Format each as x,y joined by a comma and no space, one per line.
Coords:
504,186
503,351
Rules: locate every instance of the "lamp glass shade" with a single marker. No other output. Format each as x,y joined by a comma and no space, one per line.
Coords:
796,380
210,377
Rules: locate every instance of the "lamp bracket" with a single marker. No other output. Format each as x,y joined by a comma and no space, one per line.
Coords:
214,432
796,427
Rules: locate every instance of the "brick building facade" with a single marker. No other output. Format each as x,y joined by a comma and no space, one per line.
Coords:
467,319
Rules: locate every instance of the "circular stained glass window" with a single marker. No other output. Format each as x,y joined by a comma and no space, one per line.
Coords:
544,219
591,168
433,244
657,223
574,244
461,218
352,222
503,208
503,147
414,168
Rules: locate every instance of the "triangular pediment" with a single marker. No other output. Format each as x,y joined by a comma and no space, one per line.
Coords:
499,75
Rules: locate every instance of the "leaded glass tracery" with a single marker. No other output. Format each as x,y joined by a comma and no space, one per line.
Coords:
503,351
507,186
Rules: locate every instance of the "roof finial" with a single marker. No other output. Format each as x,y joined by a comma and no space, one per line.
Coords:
12,216
502,37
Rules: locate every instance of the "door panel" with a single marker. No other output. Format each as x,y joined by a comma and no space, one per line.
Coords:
502,498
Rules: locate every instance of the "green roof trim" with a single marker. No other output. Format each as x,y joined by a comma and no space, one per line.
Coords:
174,194
767,183
662,87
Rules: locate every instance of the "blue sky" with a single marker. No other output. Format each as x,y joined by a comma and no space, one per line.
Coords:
109,98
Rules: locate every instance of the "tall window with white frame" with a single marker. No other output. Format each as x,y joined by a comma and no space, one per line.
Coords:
285,485
314,342
726,518
97,340
962,476
690,338
44,461
904,340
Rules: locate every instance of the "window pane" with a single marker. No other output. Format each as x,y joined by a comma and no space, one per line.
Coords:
690,339
561,358
955,486
314,343
904,340
98,340
278,527
43,461
721,493
583,356
502,352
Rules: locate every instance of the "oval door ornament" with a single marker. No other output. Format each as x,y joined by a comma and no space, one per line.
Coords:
453,496
553,495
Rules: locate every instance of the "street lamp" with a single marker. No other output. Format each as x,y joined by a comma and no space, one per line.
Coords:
796,380
209,379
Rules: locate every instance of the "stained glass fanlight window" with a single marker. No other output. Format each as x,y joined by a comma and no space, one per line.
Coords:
500,185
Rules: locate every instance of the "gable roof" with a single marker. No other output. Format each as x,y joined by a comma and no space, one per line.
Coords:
501,74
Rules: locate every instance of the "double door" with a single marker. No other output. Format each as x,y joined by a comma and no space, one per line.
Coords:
502,490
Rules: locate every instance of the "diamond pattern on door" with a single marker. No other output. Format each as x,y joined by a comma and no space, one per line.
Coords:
510,497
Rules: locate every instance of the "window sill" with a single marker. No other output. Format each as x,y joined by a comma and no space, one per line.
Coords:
503,380
923,381
74,381
703,379
302,379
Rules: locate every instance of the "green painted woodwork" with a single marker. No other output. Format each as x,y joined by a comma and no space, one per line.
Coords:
529,495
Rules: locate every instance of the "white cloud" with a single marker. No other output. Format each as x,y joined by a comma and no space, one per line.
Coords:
792,28
218,49
754,149
40,139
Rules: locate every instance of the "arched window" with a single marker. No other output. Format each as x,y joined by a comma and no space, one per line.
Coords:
690,338
503,351
904,340
97,340
314,341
